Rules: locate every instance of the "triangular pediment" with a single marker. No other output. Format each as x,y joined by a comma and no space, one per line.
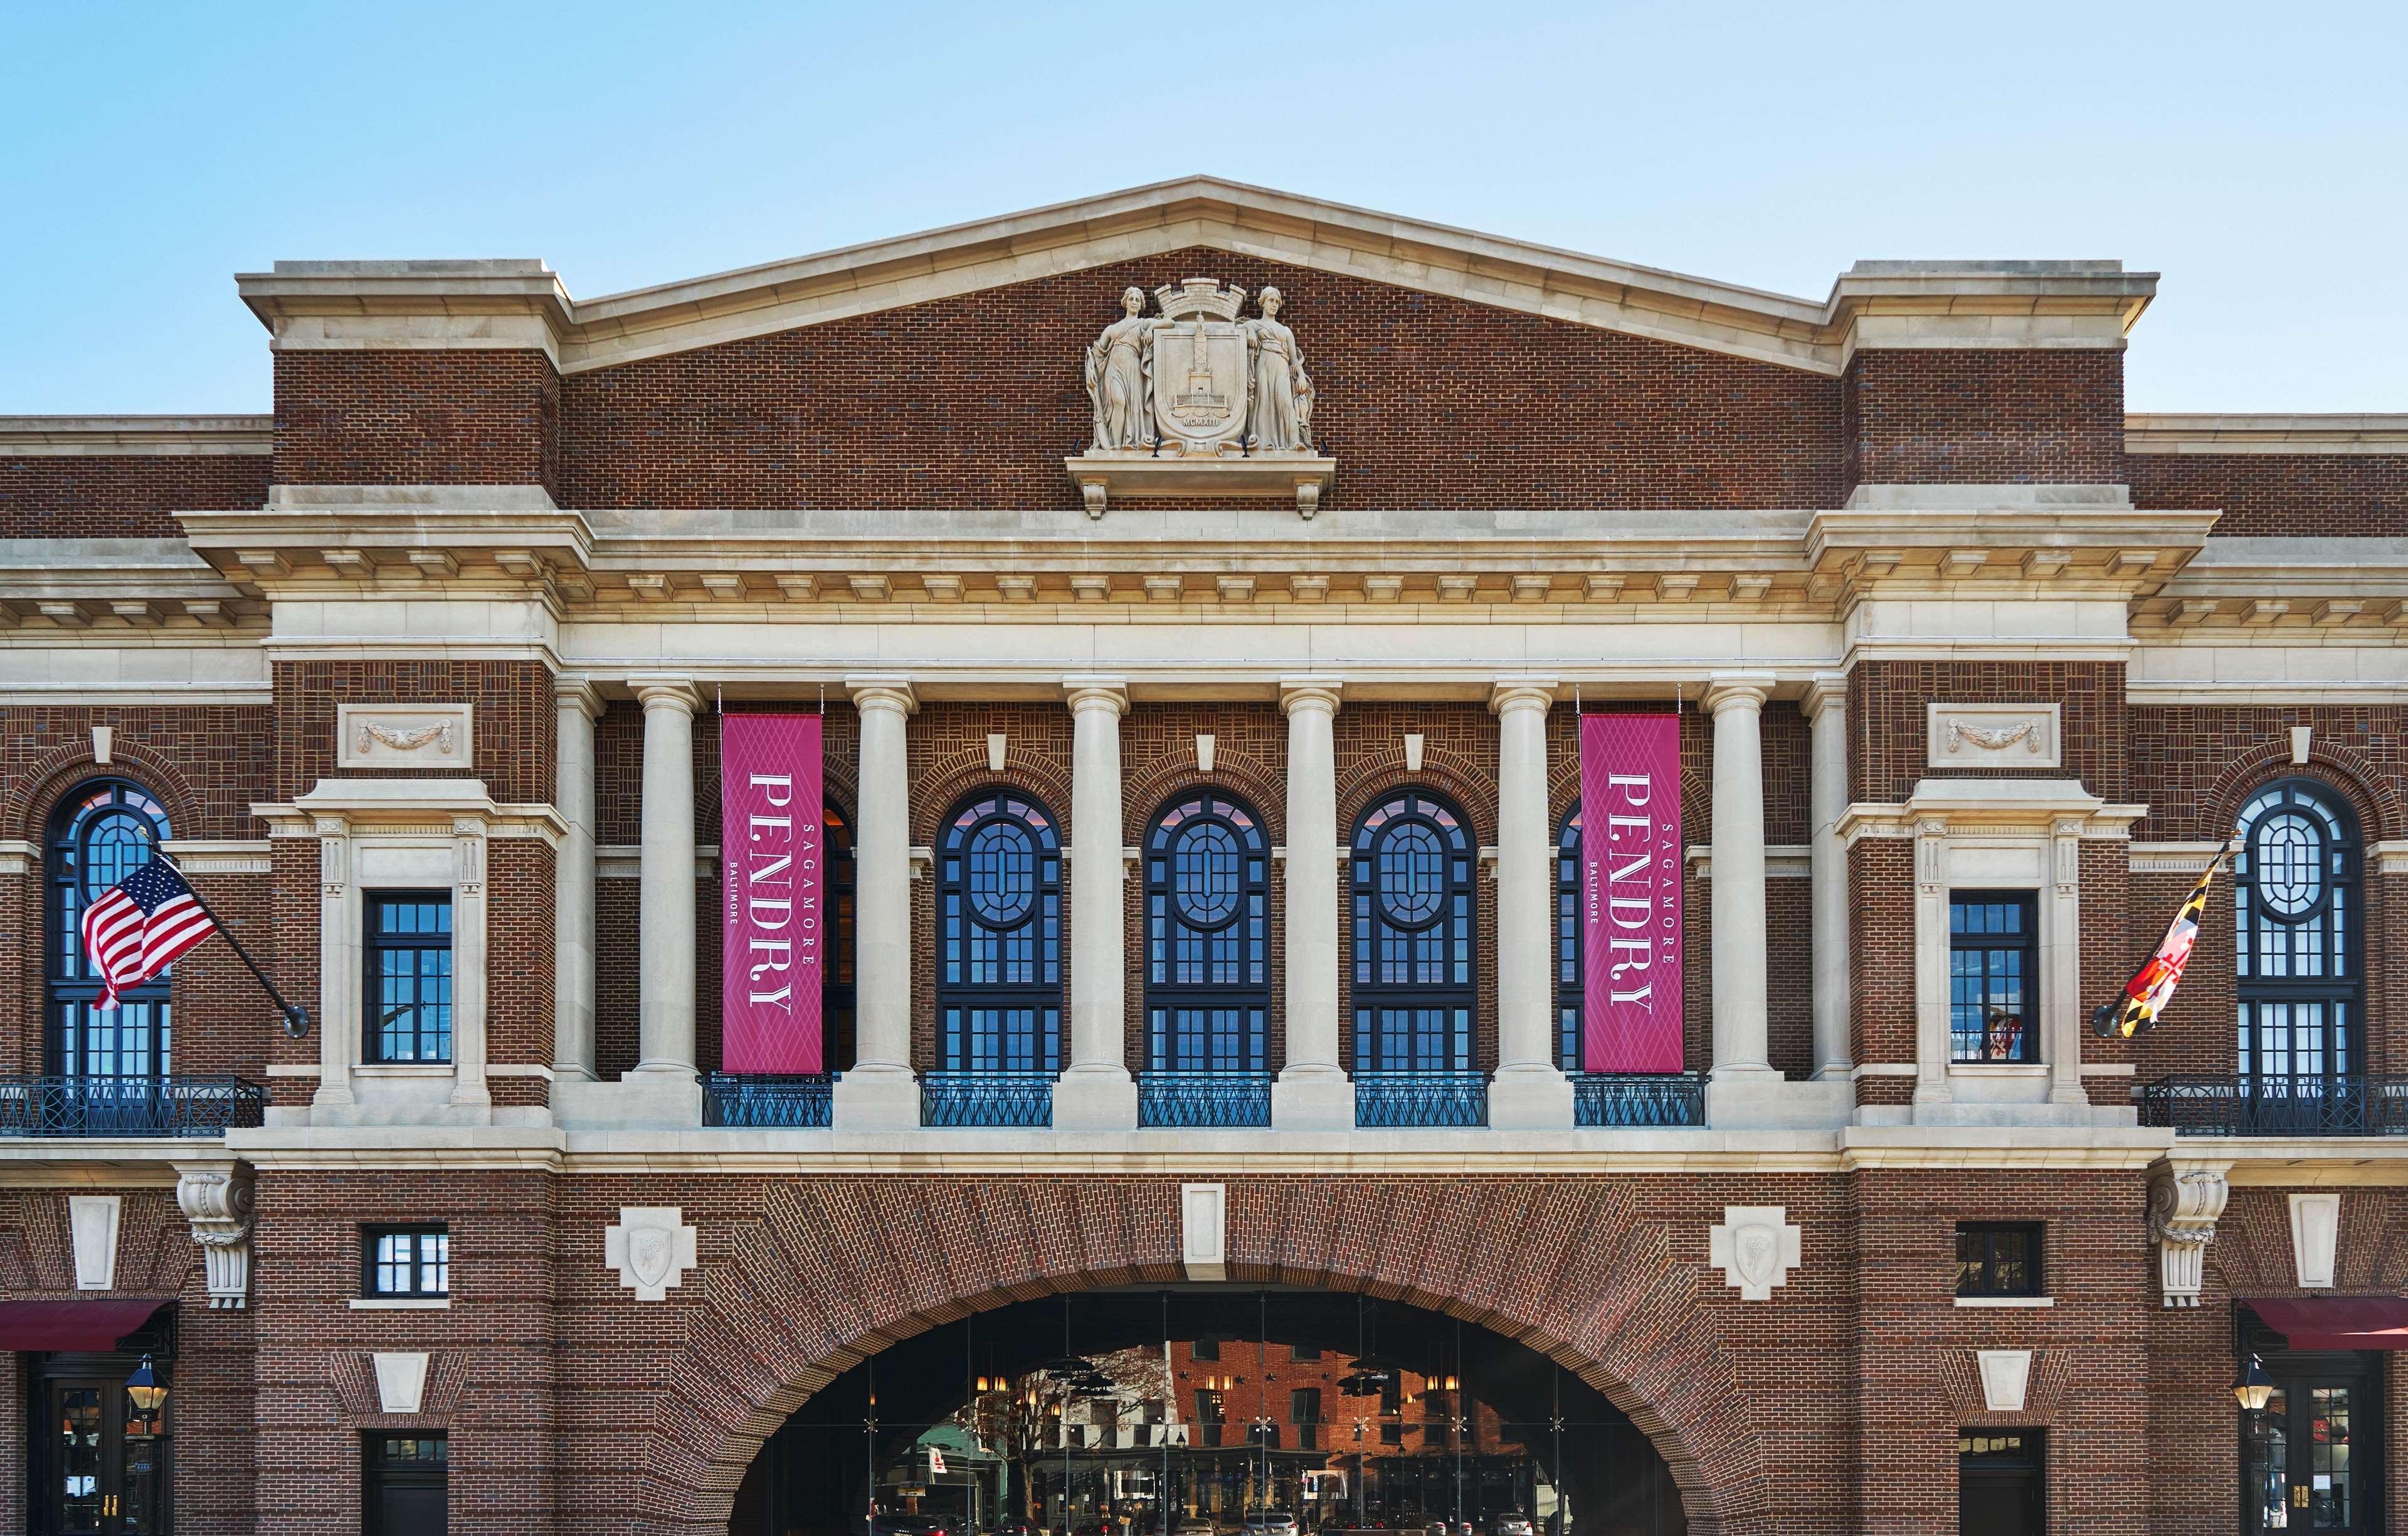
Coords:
1192,212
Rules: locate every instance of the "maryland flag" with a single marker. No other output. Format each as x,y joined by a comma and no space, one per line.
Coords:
2152,986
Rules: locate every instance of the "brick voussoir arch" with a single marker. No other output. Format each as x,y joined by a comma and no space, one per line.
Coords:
1451,774
833,1272
2366,788
1172,775
37,790
949,781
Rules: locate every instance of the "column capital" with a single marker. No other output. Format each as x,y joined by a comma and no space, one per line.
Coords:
1522,692
1096,693
1826,691
1738,691
575,691
1310,693
678,693
882,691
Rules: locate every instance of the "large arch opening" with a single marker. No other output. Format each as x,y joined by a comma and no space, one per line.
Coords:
1233,1410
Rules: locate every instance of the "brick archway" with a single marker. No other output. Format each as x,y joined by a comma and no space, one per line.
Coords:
821,1280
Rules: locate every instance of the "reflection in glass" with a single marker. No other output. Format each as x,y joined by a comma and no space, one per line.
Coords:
1209,1411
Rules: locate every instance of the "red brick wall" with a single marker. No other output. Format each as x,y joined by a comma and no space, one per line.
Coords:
2297,496
1889,733
1425,401
121,496
517,738
1941,416
417,418
1880,963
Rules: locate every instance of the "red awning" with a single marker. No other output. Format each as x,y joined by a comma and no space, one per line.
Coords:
2338,1321
84,1326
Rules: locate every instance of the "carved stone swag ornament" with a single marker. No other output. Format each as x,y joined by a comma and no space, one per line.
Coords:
1199,400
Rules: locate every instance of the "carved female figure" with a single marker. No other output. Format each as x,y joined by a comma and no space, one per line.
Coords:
1120,378
1281,420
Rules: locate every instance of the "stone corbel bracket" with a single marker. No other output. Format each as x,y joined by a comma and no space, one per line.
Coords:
1102,478
2185,1199
216,1197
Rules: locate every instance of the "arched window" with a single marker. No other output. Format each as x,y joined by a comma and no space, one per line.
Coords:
1206,938
2296,921
1569,997
836,972
1414,993
102,832
1000,919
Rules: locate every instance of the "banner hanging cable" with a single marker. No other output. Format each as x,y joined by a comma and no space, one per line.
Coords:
296,1018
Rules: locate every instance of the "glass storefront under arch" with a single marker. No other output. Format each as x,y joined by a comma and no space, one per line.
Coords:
1208,1411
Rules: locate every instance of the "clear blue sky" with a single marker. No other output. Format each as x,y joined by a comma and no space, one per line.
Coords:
2253,154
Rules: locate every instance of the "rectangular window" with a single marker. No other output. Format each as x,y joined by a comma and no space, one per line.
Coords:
409,968
1993,976
1304,1412
407,1262
403,1480
2002,1483
1998,1259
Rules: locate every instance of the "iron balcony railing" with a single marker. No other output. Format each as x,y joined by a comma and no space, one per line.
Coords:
1204,1099
1638,1099
774,1101
2235,1104
1386,1099
177,1105
986,1098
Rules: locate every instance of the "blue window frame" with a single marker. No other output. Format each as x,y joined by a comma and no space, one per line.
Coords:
1570,998
101,832
1414,989
1206,938
409,968
999,923
836,972
2295,896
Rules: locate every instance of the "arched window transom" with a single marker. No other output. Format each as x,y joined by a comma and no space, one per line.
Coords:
100,833
1414,993
1207,937
2295,901
999,920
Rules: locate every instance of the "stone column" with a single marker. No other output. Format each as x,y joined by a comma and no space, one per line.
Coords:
879,1091
1741,1048
1096,1092
1826,707
575,706
1312,1092
1530,1091
665,929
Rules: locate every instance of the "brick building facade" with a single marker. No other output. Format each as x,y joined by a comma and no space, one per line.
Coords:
1949,635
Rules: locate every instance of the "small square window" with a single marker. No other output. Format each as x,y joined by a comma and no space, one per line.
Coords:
1998,1259
405,1261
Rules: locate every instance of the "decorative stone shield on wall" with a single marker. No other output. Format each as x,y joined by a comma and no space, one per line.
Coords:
1756,1247
652,1248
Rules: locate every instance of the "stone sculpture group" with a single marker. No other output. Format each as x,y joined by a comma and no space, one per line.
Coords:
1197,379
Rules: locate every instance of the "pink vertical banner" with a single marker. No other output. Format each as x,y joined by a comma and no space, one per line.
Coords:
771,844
1630,893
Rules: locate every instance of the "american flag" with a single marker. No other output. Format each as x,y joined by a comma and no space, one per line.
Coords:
139,924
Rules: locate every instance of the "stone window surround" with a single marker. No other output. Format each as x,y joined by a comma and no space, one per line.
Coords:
402,834
1997,834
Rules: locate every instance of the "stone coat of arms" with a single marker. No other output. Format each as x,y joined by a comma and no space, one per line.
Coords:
1198,380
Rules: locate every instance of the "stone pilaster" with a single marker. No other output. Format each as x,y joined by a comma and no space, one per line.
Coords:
1312,1092
1096,1092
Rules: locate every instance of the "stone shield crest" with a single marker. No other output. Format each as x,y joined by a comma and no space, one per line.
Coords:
1203,372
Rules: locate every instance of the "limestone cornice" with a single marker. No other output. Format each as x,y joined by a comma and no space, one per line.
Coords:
428,806
116,584
2168,433
2286,583
150,437
1974,808
1946,540
522,303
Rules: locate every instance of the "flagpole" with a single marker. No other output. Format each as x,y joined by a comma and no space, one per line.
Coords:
296,1018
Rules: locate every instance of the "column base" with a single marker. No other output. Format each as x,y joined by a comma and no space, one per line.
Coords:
1099,1098
1312,1099
876,1098
1760,1098
1529,1098
647,1098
